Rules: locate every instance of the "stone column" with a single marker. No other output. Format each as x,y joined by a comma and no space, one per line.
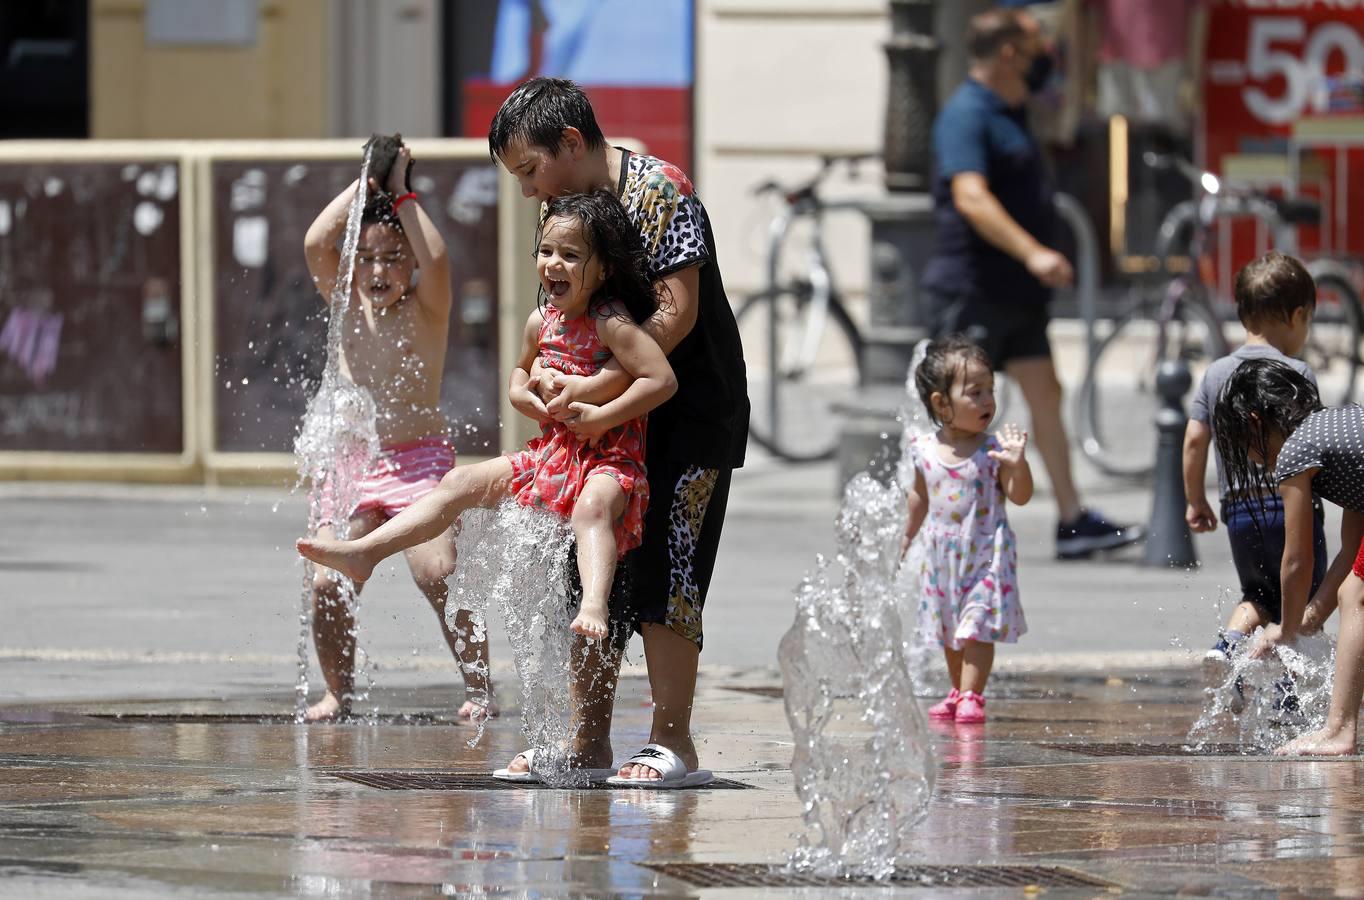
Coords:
901,239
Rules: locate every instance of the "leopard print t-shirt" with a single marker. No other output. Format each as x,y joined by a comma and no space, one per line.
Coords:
706,421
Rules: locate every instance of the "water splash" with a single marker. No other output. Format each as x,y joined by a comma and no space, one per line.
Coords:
1264,703
863,761
517,559
336,444
922,655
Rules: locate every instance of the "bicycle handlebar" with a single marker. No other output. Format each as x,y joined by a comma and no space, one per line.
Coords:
827,162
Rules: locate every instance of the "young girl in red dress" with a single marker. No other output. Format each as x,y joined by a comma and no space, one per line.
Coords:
594,292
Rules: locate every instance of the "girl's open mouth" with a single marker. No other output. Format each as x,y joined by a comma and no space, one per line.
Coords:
558,288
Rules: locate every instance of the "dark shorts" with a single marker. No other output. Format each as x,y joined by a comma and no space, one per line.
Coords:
668,576
665,580
1004,331
1258,551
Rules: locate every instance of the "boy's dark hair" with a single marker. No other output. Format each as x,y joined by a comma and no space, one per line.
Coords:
1273,287
1261,397
615,241
539,111
944,360
379,210
989,31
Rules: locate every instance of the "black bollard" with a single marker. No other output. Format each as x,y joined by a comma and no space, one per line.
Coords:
1168,540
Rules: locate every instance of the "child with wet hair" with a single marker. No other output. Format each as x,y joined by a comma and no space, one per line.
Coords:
968,585
1274,436
594,293
397,330
1275,301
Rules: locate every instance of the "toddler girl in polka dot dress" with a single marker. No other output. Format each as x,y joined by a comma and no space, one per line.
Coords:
1273,434
962,477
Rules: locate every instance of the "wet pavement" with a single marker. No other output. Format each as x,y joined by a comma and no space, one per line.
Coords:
1079,780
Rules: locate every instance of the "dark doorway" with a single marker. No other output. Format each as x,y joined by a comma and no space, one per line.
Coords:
45,69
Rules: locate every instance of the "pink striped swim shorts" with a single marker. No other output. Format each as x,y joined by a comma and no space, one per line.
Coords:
402,474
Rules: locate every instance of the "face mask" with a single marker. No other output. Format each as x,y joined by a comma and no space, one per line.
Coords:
1039,70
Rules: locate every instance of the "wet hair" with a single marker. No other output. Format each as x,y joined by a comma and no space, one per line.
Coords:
988,32
379,211
538,111
614,240
1262,397
1273,287
944,362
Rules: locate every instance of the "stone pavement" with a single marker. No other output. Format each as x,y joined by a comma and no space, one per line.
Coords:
1078,786
178,607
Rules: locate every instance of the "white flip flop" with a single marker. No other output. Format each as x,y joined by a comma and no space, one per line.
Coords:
667,764
530,776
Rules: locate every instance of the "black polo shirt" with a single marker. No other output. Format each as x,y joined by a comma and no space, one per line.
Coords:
977,132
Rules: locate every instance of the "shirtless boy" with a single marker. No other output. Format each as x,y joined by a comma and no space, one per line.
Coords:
394,347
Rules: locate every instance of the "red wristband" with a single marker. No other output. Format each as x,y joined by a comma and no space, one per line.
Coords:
405,197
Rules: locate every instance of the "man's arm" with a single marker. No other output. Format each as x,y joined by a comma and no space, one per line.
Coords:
986,215
319,243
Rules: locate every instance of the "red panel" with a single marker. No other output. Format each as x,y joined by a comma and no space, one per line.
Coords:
1261,74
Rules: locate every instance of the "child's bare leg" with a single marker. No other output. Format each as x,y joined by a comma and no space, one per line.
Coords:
1341,732
977,659
334,631
464,487
599,505
431,564
953,658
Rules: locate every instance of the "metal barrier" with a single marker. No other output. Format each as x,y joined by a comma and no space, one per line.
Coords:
1086,264
146,289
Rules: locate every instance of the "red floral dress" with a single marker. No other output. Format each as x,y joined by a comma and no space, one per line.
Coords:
551,471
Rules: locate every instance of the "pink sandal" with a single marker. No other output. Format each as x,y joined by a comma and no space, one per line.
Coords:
970,709
945,708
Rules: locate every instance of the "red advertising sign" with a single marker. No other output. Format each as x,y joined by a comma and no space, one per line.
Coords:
1271,64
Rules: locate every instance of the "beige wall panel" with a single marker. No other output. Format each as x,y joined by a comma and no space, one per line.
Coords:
789,83
275,88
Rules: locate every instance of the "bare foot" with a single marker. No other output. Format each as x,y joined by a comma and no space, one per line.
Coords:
327,709
1323,742
641,772
342,556
476,708
591,621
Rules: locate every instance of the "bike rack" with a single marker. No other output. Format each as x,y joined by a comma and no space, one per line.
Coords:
1086,263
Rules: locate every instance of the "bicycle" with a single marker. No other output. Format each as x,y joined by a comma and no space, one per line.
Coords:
1182,321
803,351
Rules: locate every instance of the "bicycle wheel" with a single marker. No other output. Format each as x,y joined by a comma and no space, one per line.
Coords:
800,366
1333,345
1117,403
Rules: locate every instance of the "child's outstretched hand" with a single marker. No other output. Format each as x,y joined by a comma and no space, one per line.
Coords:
1012,442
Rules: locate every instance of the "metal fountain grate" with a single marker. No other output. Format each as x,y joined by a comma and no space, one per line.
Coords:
737,875
1132,749
267,719
481,781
